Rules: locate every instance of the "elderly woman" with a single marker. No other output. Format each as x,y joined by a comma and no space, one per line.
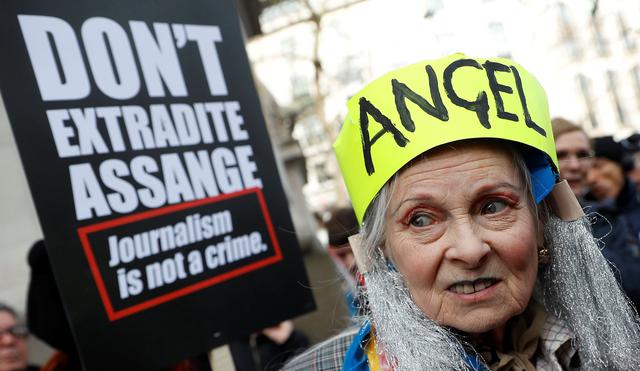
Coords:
450,165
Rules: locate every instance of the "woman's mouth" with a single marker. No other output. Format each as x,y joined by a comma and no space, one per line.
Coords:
471,287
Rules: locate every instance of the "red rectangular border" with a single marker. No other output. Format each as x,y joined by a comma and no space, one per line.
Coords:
114,315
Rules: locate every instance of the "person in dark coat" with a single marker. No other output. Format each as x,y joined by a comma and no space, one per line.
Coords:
617,223
632,147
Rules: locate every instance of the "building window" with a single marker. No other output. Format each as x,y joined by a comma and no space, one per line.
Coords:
318,135
288,47
601,43
300,87
500,40
625,34
567,36
310,132
584,86
612,87
321,172
349,70
635,78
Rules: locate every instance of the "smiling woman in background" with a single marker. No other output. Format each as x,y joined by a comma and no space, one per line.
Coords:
450,165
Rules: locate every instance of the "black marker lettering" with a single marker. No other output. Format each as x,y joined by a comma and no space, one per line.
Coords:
402,91
527,116
481,105
496,88
366,109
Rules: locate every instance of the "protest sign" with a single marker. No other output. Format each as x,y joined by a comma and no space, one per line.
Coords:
152,172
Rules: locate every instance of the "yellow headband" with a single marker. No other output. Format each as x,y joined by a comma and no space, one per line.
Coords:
415,108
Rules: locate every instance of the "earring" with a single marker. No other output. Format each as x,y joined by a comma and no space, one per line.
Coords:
543,255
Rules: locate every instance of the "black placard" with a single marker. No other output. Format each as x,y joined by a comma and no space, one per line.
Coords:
149,163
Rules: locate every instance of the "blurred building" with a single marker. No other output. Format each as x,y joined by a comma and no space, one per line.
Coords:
313,55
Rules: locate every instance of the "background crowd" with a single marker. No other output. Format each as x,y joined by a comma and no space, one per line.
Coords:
603,174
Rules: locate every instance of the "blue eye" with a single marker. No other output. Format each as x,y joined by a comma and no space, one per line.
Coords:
421,220
493,207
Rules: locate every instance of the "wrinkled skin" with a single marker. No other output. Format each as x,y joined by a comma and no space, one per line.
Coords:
460,215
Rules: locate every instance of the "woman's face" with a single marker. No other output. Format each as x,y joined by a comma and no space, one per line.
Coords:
460,232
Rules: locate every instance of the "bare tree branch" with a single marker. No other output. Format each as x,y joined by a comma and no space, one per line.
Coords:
313,13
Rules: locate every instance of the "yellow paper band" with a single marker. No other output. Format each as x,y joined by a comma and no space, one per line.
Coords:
415,108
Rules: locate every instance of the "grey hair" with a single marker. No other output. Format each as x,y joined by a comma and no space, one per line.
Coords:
577,286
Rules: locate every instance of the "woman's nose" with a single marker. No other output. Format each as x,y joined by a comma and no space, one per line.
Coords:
466,246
